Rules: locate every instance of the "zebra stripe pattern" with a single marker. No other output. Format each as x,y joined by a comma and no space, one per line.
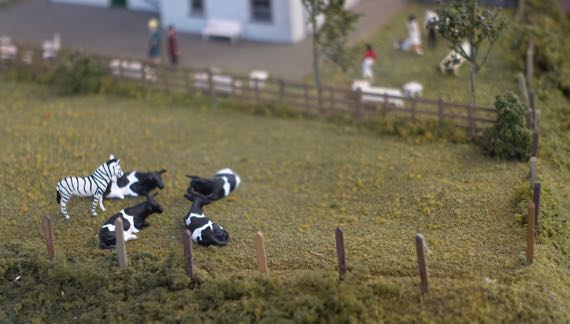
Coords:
91,186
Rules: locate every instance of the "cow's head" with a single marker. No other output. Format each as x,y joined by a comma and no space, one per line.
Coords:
152,206
157,178
217,236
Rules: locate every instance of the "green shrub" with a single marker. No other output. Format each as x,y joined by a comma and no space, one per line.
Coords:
509,139
77,74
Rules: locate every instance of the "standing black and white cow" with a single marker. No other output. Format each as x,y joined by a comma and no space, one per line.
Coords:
134,184
134,220
93,185
204,231
219,186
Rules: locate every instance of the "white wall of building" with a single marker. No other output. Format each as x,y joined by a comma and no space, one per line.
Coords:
144,5
287,23
98,3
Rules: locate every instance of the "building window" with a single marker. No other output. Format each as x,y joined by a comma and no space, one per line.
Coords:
261,10
197,7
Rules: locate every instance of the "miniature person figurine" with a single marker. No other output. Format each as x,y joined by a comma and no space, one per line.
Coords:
368,63
430,19
172,45
154,41
414,38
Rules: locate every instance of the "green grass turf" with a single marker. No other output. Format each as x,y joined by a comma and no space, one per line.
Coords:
301,178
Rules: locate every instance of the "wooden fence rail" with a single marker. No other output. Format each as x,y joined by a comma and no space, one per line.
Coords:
325,101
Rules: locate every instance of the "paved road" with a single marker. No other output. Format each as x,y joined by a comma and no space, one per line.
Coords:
119,32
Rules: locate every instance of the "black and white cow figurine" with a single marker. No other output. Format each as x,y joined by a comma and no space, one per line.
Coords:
134,184
204,231
219,186
134,220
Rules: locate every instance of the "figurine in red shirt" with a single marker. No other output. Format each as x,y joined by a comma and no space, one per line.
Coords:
172,45
368,63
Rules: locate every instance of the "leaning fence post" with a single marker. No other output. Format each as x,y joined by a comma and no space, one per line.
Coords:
536,199
340,253
533,161
48,235
120,241
188,262
420,243
260,252
530,233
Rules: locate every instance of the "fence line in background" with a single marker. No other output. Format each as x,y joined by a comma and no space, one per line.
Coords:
325,101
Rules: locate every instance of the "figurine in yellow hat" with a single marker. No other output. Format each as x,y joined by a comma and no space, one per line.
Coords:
154,41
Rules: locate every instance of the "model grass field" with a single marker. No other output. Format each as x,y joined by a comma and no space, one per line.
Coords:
300,179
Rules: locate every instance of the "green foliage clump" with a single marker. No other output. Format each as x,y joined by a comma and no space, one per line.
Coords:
510,138
77,74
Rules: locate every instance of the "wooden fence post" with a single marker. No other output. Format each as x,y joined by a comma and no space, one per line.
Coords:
320,100
530,234
166,72
385,105
420,243
260,252
281,89
48,236
413,108
333,100
530,62
211,90
440,107
340,253
534,147
471,116
187,81
188,261
256,88
358,104
306,89
531,107
522,87
536,199
120,243
533,161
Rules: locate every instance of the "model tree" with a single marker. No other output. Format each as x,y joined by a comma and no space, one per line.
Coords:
465,20
329,38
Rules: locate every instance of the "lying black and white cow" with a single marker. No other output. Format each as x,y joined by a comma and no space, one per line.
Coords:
134,184
219,186
134,220
204,231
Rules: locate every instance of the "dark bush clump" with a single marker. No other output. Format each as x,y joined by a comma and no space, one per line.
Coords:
77,74
510,138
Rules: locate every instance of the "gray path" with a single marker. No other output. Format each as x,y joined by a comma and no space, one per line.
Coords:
119,32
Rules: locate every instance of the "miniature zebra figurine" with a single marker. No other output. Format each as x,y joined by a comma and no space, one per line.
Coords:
93,185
